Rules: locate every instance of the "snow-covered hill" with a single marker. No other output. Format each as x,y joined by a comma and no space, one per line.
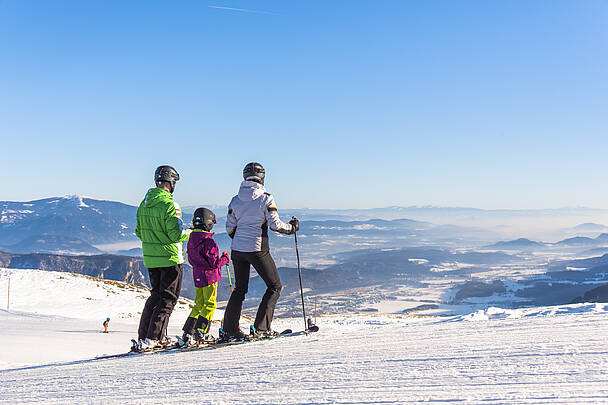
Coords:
65,312
74,295
534,355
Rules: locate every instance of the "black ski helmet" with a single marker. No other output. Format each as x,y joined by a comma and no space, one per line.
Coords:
256,170
204,219
166,173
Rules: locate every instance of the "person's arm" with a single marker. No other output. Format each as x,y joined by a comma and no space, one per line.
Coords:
273,219
195,256
137,231
174,225
211,253
231,222
224,259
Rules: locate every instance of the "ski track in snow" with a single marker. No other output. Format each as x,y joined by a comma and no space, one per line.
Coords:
556,355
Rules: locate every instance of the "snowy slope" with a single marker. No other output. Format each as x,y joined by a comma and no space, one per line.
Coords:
74,295
536,355
65,311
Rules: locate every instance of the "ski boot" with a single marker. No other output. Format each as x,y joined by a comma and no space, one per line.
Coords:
257,334
311,326
201,337
201,333
186,340
232,336
136,345
146,345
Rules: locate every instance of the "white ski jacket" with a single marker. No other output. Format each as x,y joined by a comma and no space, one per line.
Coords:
250,213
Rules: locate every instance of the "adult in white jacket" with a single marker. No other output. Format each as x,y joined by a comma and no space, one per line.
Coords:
250,214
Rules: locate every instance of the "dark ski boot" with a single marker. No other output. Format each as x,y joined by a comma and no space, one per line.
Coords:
257,334
232,336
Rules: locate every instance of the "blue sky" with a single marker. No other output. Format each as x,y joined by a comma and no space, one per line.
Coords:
348,104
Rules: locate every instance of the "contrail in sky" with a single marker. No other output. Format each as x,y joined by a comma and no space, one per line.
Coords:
243,10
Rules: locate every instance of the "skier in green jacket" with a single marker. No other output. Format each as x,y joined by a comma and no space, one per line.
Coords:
160,228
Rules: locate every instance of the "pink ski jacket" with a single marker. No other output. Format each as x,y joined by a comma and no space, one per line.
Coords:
204,256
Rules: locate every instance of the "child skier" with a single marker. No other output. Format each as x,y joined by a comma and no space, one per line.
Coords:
203,255
106,323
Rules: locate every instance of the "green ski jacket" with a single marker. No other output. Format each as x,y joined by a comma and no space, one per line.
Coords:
161,230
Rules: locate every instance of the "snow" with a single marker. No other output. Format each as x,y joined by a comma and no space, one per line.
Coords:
44,293
78,199
367,227
491,356
114,247
446,267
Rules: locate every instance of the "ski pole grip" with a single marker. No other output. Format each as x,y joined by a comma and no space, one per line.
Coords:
292,219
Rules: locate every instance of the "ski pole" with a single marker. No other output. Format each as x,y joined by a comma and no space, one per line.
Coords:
229,279
295,237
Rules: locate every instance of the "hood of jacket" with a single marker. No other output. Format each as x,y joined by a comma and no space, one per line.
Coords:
198,235
250,190
156,195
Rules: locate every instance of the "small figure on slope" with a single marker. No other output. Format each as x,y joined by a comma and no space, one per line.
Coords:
106,323
203,255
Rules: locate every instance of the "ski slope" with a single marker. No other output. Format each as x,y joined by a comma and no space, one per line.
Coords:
536,355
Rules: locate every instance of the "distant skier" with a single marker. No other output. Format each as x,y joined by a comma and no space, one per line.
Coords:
106,323
160,228
250,213
203,255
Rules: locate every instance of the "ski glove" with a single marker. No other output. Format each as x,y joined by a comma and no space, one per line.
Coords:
295,225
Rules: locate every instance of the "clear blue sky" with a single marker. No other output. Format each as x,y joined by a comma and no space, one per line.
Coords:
348,104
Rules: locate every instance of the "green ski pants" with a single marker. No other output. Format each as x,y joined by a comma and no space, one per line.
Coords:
205,302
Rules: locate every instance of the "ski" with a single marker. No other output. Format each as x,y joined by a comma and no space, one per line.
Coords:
136,353
175,348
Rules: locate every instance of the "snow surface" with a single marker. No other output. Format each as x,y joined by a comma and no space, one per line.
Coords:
497,356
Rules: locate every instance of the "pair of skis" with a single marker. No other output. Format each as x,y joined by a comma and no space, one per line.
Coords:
174,347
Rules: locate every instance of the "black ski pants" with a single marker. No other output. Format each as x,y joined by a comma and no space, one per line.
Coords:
263,263
166,283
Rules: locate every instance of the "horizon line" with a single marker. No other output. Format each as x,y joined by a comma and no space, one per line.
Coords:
403,207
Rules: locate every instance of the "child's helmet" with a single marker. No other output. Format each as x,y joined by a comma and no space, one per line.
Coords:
107,319
204,219
254,171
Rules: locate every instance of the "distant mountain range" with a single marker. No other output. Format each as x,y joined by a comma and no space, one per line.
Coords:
525,244
81,225
89,220
517,244
590,227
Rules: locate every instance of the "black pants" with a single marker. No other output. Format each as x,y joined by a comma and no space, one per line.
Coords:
264,265
166,283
